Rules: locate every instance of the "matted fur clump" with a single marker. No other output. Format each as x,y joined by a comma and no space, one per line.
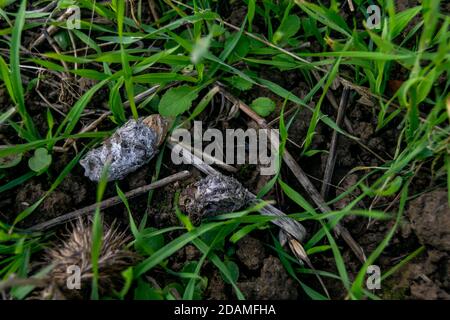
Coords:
76,250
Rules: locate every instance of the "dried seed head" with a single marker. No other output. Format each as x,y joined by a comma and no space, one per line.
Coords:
76,252
130,147
212,195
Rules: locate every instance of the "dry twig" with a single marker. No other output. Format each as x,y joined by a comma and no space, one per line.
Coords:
329,169
52,29
109,202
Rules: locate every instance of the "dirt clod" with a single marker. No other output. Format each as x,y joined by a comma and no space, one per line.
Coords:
273,283
216,287
251,253
364,130
423,279
430,219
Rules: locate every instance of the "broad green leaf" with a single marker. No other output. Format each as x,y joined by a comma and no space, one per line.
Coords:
147,242
263,106
288,28
177,100
62,39
239,83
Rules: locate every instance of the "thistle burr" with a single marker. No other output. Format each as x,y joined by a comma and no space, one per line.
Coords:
76,251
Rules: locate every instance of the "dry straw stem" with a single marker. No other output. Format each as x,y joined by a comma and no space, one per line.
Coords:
300,253
329,169
347,122
154,11
109,202
350,5
334,103
210,158
52,29
301,177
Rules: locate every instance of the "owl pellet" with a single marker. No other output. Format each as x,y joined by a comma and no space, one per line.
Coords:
129,148
212,195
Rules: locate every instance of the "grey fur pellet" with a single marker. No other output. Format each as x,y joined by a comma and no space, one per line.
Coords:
212,195
216,194
129,148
